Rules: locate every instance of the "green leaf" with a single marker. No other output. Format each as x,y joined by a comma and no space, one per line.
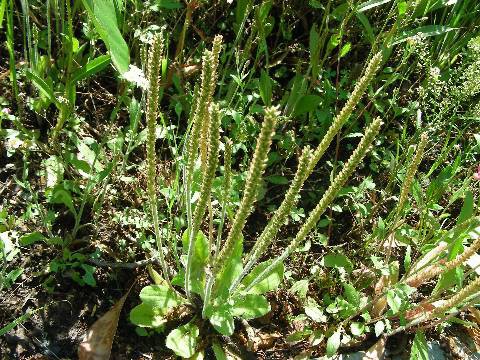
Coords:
333,343
160,297
169,4
271,282
429,30
222,321
306,104
218,351
91,68
103,15
366,25
144,315
3,5
419,347
13,275
43,87
15,322
31,238
467,210
394,301
233,268
371,4
300,288
379,328
183,340
199,260
351,294
447,280
266,88
345,49
338,261
277,179
402,7
313,311
62,196
357,328
250,306
53,171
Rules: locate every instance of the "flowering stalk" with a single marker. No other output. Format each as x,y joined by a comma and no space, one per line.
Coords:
278,219
210,62
412,169
154,61
205,189
347,110
227,179
326,199
254,176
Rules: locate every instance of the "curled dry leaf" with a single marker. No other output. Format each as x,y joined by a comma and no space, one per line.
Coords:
97,344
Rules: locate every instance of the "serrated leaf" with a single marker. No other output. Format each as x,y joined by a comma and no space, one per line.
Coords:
183,340
250,306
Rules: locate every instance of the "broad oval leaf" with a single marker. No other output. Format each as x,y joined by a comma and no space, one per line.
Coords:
183,340
250,306
306,104
333,343
144,315
160,297
222,321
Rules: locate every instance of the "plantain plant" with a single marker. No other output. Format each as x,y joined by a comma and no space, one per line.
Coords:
215,282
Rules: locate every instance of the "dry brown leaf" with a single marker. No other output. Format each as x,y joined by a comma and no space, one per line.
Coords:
99,339
376,351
